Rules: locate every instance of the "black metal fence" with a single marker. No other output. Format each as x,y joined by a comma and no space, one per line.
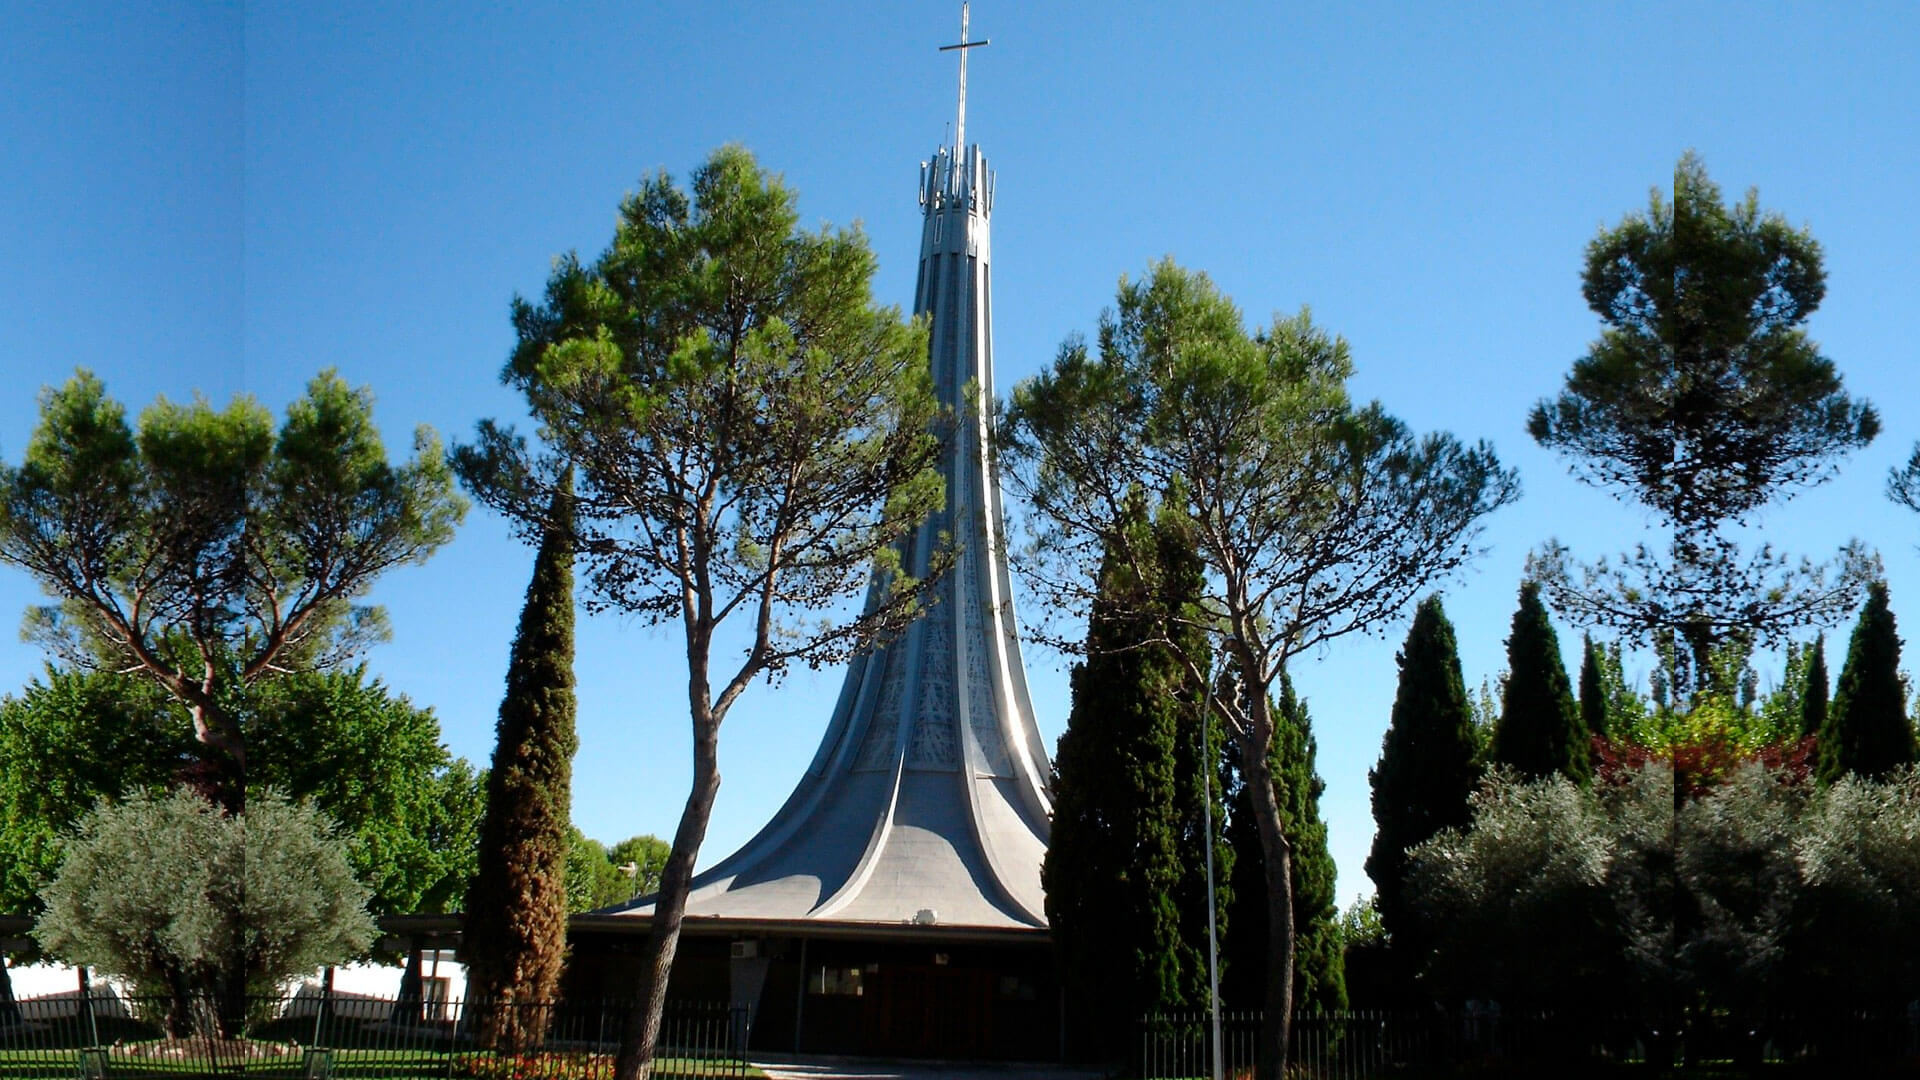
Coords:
1325,1046
1361,1045
313,1034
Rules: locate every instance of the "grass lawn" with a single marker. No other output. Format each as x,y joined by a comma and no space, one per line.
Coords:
347,1064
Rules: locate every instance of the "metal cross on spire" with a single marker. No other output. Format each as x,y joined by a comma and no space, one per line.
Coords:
960,127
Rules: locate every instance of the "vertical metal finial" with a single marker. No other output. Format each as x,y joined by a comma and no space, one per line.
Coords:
960,126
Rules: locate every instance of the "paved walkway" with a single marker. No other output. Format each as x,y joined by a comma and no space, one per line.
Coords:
869,1069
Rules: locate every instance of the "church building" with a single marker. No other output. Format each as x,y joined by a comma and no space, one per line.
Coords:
893,904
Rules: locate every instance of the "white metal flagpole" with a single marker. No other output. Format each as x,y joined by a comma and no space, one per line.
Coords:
1213,941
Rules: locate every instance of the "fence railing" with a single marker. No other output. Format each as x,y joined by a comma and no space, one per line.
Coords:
1361,1045
313,1034
1326,1046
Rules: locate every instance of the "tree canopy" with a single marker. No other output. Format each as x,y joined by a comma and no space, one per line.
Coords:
646,855
1703,401
1814,699
753,437
1867,731
369,759
597,875
1540,731
605,875
207,551
1593,688
1313,517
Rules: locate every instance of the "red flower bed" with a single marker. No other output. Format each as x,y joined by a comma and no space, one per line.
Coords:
547,1066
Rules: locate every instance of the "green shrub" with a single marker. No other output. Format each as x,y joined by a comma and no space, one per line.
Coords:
169,892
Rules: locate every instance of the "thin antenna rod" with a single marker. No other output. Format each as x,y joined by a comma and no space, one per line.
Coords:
960,127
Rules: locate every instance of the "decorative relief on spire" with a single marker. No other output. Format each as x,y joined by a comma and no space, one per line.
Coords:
983,718
933,745
876,750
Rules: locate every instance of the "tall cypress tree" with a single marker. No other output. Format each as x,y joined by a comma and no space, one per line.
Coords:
1813,700
1867,731
1115,868
1593,689
1426,773
1540,731
1319,969
1195,749
515,941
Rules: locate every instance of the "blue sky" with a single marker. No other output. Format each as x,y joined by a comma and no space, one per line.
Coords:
225,197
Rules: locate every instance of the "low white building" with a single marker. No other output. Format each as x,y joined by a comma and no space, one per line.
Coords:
442,979
46,980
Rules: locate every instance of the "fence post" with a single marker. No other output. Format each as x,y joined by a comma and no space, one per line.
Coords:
453,1030
326,1006
742,1024
86,1007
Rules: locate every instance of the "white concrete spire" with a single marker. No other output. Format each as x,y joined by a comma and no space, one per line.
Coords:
929,789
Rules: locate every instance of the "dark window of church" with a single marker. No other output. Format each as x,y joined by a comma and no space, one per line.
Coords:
838,982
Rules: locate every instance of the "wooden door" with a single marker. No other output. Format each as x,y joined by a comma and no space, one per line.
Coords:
931,1011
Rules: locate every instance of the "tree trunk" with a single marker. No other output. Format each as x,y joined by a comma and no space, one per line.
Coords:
9,1011
408,1003
179,1001
641,1033
221,778
1277,1023
231,998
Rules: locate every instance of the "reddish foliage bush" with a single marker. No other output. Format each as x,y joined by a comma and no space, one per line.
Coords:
1699,767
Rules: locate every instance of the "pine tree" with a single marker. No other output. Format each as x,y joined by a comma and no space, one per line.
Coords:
1426,773
1540,731
1116,867
1703,400
1867,731
516,929
1319,969
1593,689
1813,700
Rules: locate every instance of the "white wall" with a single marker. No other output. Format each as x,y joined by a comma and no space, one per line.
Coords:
373,980
39,980
383,980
